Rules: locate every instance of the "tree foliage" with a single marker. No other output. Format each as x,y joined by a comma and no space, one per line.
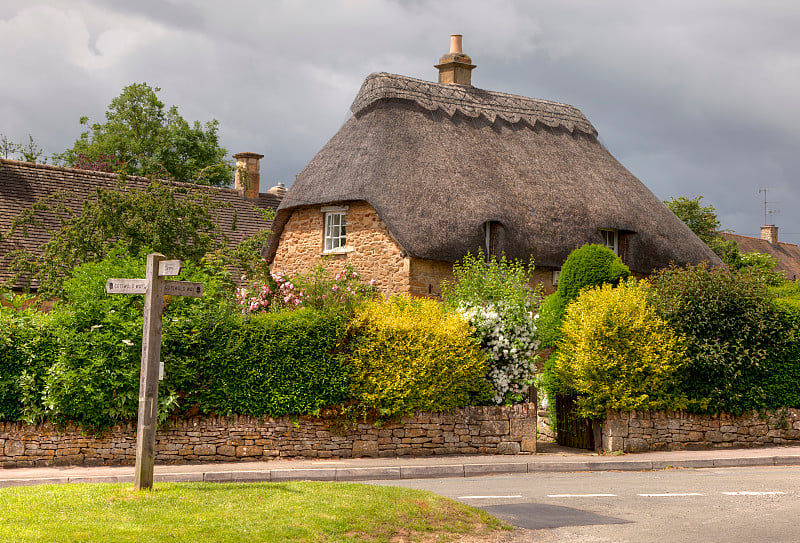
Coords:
144,138
736,337
28,152
702,220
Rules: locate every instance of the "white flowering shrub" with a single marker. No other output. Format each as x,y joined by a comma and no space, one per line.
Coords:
494,296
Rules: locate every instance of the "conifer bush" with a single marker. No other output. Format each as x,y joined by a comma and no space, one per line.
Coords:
615,352
413,355
587,266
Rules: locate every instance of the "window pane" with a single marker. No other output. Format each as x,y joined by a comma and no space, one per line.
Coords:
334,231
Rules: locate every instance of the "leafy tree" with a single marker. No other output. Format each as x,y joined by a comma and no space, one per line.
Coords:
141,137
8,147
30,152
702,220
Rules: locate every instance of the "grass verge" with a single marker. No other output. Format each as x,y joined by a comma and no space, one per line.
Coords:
265,512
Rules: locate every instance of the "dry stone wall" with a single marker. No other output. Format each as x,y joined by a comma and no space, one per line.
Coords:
638,431
469,430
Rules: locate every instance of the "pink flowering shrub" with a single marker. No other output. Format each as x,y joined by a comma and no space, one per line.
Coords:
320,289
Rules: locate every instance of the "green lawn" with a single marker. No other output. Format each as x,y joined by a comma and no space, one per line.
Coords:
281,512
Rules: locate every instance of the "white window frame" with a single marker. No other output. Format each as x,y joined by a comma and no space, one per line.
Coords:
334,233
610,239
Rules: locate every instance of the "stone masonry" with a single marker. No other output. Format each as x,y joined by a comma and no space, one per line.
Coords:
468,430
371,250
638,431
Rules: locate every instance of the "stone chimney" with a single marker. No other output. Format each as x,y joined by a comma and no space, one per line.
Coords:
248,174
455,68
769,232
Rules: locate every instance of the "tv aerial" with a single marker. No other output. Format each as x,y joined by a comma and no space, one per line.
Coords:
767,211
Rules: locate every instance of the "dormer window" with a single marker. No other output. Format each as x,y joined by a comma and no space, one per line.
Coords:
335,234
610,239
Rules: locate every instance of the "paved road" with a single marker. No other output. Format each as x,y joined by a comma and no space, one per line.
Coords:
685,505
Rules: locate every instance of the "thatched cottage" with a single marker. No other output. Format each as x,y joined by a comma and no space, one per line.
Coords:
423,173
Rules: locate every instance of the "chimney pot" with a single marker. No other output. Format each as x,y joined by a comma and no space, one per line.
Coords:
247,176
769,232
455,43
455,68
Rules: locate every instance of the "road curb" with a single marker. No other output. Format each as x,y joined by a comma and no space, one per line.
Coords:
388,473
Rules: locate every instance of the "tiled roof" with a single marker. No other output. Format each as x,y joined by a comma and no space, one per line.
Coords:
788,254
23,183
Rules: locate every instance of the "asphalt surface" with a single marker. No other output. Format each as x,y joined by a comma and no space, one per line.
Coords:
549,458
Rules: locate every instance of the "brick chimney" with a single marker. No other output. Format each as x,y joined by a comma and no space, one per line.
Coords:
769,232
248,174
455,68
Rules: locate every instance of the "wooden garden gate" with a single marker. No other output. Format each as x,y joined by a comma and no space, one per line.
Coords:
572,430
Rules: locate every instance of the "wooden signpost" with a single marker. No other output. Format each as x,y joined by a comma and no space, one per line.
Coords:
154,287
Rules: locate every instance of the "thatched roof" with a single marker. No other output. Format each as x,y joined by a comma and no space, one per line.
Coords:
787,254
23,183
438,161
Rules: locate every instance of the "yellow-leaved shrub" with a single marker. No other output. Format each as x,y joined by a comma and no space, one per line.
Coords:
615,352
411,355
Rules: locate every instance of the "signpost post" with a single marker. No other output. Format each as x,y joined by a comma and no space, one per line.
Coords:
154,287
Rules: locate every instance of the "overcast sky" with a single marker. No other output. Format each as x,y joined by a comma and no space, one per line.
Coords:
696,98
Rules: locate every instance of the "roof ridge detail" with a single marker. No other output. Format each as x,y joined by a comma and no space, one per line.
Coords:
471,102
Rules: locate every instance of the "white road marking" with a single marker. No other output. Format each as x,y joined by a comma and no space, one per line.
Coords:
486,497
581,495
670,495
749,493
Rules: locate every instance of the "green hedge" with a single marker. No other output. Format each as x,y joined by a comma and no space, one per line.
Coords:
740,344
80,363
27,348
277,364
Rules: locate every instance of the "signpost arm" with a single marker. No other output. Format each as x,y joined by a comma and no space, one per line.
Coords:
148,381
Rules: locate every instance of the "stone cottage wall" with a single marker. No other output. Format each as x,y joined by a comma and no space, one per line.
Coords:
469,430
638,431
370,248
